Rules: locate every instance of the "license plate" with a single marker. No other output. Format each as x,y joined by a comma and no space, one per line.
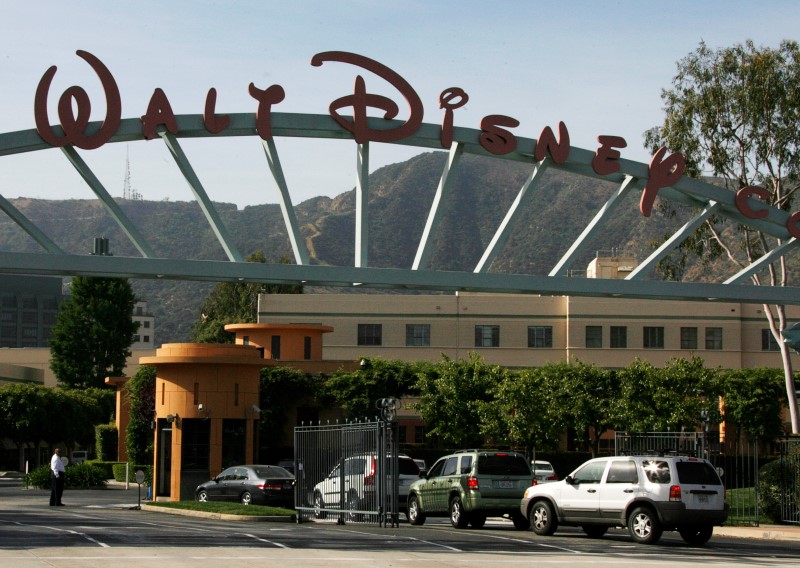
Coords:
506,485
702,498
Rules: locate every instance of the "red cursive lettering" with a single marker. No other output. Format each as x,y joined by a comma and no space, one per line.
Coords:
271,96
360,100
498,140
605,158
446,101
75,127
159,113
558,150
214,123
663,173
744,194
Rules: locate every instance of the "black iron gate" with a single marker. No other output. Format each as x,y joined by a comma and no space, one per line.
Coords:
347,472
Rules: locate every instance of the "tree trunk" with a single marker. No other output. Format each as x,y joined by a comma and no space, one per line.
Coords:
791,393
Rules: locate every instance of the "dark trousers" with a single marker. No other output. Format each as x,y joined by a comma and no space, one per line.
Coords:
56,488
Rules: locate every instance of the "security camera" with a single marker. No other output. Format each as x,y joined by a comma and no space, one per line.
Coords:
256,409
200,407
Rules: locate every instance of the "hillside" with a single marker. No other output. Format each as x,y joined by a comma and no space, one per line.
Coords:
400,196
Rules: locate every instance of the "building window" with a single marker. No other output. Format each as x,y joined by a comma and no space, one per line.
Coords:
487,336
713,338
306,348
619,337
276,347
370,334
419,434
29,332
147,339
245,340
137,338
594,336
147,325
768,342
418,335
653,337
688,338
540,336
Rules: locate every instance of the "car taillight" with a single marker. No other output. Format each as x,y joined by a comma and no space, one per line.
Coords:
369,479
534,482
675,493
553,477
272,486
472,483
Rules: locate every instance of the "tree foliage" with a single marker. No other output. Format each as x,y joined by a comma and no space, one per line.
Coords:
451,395
670,399
235,302
357,391
31,414
141,393
281,388
732,113
93,332
753,401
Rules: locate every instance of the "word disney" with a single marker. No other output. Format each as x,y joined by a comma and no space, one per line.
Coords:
494,134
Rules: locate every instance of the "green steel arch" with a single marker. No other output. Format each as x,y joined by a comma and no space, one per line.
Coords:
631,178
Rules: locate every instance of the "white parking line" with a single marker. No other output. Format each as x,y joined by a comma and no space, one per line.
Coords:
273,543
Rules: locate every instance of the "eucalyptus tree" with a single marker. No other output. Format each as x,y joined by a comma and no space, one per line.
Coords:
733,114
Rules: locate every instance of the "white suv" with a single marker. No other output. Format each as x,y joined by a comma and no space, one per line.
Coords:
647,494
359,479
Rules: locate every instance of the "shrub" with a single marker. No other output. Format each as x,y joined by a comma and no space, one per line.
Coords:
119,473
106,440
82,476
769,487
107,467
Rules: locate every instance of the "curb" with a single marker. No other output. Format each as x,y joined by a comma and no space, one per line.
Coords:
221,516
761,533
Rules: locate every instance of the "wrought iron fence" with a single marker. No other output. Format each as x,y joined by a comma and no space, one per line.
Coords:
790,480
347,472
737,461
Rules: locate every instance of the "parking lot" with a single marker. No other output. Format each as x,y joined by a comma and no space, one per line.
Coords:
102,527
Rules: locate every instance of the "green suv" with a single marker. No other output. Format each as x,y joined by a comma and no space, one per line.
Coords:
469,486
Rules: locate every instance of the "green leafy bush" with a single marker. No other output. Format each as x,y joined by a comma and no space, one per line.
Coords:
119,473
80,476
107,467
769,486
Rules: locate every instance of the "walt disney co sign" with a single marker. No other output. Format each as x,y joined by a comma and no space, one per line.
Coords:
494,134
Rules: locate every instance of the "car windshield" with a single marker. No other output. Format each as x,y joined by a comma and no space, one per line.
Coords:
503,464
272,472
697,473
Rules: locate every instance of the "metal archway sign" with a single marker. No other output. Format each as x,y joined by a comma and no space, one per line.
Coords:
663,177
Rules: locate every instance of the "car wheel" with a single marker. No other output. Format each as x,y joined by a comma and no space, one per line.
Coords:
477,520
246,498
458,517
520,522
319,505
202,496
644,526
415,514
696,535
594,531
543,519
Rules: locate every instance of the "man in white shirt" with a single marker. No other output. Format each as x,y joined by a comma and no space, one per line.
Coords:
57,474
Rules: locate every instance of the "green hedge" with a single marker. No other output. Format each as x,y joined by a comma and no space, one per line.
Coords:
107,467
119,473
79,476
106,441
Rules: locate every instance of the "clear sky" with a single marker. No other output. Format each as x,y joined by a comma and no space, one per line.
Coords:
599,66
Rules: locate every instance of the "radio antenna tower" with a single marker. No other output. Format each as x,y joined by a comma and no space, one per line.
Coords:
126,186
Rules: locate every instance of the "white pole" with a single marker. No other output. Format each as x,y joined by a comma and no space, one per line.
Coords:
127,475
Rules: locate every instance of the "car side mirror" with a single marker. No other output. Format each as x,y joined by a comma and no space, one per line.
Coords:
569,480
